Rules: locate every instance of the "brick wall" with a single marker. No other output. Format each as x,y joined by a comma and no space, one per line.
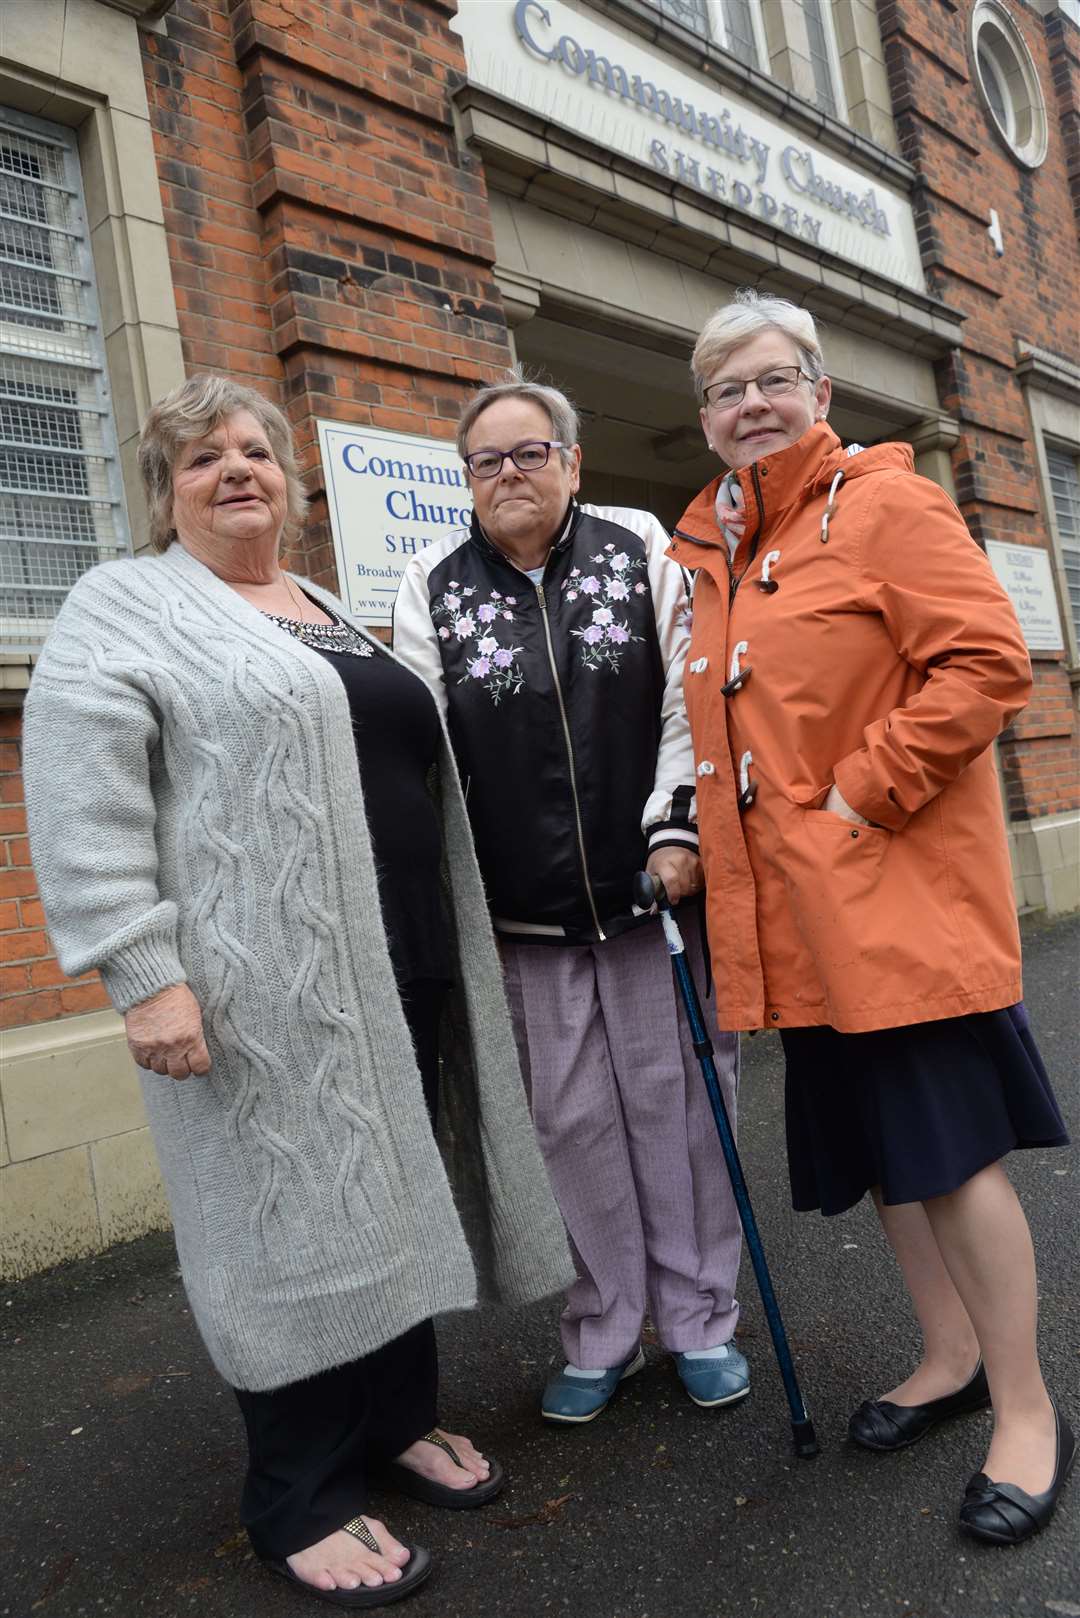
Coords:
32,987
330,241
330,244
1028,294
1063,39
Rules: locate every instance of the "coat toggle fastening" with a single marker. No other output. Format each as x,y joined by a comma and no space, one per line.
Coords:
747,788
830,505
737,676
766,582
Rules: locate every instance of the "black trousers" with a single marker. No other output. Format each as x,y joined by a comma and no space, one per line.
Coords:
313,1444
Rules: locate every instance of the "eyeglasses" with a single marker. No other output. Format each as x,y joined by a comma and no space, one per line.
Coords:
770,384
530,457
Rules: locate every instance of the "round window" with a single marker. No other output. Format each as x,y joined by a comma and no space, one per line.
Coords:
1008,82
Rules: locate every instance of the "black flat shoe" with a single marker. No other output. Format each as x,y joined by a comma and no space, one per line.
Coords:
881,1425
1003,1514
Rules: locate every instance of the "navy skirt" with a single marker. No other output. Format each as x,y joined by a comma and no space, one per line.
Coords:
915,1110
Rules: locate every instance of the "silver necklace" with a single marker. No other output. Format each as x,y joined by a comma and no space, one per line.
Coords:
295,595
332,637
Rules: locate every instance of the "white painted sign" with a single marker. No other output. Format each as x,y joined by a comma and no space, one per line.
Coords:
390,495
1026,573
569,69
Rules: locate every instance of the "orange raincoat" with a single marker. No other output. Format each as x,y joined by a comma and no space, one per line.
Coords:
878,651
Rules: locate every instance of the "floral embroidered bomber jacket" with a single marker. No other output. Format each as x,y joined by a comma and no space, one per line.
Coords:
564,700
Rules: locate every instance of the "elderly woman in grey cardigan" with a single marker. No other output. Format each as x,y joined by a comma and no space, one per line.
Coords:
239,808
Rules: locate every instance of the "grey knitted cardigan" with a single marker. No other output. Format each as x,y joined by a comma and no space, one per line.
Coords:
196,815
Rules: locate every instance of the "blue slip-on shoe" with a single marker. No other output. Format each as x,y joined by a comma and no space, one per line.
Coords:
575,1398
715,1379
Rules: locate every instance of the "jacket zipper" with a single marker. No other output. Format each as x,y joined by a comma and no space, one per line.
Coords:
570,761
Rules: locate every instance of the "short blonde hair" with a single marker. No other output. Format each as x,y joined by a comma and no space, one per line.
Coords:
191,411
748,314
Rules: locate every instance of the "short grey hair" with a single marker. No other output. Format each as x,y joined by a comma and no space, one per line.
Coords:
745,317
565,426
191,411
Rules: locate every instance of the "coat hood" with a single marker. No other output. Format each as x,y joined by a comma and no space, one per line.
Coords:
773,484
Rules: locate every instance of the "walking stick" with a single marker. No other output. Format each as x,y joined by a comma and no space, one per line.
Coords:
650,890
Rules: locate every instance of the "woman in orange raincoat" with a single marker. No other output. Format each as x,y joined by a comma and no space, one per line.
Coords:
852,659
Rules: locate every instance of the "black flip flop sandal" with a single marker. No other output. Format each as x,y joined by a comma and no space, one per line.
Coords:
413,1575
406,1481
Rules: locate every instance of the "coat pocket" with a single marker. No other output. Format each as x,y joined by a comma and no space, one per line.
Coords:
842,859
835,873
869,915
827,821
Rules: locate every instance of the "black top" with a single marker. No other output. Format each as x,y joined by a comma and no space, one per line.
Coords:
396,730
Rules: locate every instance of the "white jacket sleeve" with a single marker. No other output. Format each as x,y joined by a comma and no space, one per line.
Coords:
415,639
669,815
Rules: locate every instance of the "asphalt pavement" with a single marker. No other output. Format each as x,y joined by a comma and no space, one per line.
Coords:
122,1452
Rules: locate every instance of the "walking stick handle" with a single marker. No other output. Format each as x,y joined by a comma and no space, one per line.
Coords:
649,890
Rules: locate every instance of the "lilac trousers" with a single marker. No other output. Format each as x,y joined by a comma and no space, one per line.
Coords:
624,1124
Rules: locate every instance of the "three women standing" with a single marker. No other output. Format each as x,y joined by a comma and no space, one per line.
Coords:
852,659
265,916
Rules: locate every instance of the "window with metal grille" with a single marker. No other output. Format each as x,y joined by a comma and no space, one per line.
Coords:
1064,472
825,92
61,501
693,14
739,31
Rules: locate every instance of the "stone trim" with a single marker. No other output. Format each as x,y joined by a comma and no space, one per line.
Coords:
1045,856
144,11
1038,368
567,174
15,668
1052,393
80,65
520,295
77,1166
772,95
933,440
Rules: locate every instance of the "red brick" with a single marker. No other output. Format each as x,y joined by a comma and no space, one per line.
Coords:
23,946
20,1010
32,912
85,997
47,974
9,915
14,883
12,821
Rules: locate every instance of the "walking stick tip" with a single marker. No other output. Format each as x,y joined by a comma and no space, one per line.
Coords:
806,1444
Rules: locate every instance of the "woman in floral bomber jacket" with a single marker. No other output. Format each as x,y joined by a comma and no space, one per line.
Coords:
554,635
